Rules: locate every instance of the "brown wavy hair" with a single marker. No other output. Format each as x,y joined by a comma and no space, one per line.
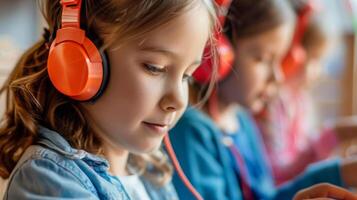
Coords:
247,18
32,100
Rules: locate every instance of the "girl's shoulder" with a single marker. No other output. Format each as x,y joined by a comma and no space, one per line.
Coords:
43,172
246,120
195,129
51,167
243,113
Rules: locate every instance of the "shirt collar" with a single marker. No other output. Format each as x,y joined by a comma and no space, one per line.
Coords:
56,142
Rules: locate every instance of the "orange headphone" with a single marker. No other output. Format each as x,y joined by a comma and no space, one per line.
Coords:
296,55
225,53
76,67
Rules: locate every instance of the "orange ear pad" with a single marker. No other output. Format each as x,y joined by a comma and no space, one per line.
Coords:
223,3
76,67
225,61
296,55
293,61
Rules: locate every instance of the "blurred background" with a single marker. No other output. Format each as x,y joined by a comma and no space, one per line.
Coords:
21,25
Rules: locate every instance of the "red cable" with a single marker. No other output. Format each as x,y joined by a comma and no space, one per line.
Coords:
225,4
179,169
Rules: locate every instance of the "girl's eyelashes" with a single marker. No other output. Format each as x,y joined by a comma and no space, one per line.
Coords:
155,70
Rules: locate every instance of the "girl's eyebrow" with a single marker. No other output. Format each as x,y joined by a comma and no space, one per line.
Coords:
158,49
166,52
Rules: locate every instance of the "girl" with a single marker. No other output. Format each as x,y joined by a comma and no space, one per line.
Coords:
289,126
220,148
59,139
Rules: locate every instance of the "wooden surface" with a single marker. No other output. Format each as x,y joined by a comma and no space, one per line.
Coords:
347,94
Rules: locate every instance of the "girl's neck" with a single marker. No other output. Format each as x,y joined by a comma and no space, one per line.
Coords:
225,116
117,158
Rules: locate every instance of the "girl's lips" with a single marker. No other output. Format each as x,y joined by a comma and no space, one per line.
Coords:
162,129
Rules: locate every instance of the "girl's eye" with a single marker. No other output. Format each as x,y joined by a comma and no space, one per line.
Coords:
154,69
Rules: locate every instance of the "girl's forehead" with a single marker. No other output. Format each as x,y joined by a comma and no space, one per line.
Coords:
182,38
193,18
193,21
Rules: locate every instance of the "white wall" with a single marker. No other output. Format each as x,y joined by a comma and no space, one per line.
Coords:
19,29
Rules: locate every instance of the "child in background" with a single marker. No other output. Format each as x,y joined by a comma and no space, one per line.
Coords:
289,125
86,139
220,147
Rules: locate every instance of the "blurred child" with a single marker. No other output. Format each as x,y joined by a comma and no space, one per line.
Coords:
289,126
220,147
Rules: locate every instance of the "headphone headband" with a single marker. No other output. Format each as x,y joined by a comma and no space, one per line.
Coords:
75,66
223,9
71,11
302,20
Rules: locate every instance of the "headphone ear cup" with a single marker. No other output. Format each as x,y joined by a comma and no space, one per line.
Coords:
225,53
106,75
225,56
293,61
75,66
296,56
203,73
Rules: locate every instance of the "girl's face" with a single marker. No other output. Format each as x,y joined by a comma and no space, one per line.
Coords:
256,72
148,88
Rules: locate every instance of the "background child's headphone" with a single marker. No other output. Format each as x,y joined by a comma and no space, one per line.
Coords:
75,66
296,55
225,54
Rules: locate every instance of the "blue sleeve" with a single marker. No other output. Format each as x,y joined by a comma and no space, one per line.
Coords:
42,179
321,172
251,146
196,148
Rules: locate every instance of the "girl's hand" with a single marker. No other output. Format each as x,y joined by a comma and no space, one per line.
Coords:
325,191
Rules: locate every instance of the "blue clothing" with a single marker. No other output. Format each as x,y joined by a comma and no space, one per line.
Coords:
203,158
212,170
52,169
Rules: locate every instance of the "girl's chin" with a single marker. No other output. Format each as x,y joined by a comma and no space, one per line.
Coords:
147,148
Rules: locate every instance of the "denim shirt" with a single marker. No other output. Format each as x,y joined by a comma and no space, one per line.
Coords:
52,169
